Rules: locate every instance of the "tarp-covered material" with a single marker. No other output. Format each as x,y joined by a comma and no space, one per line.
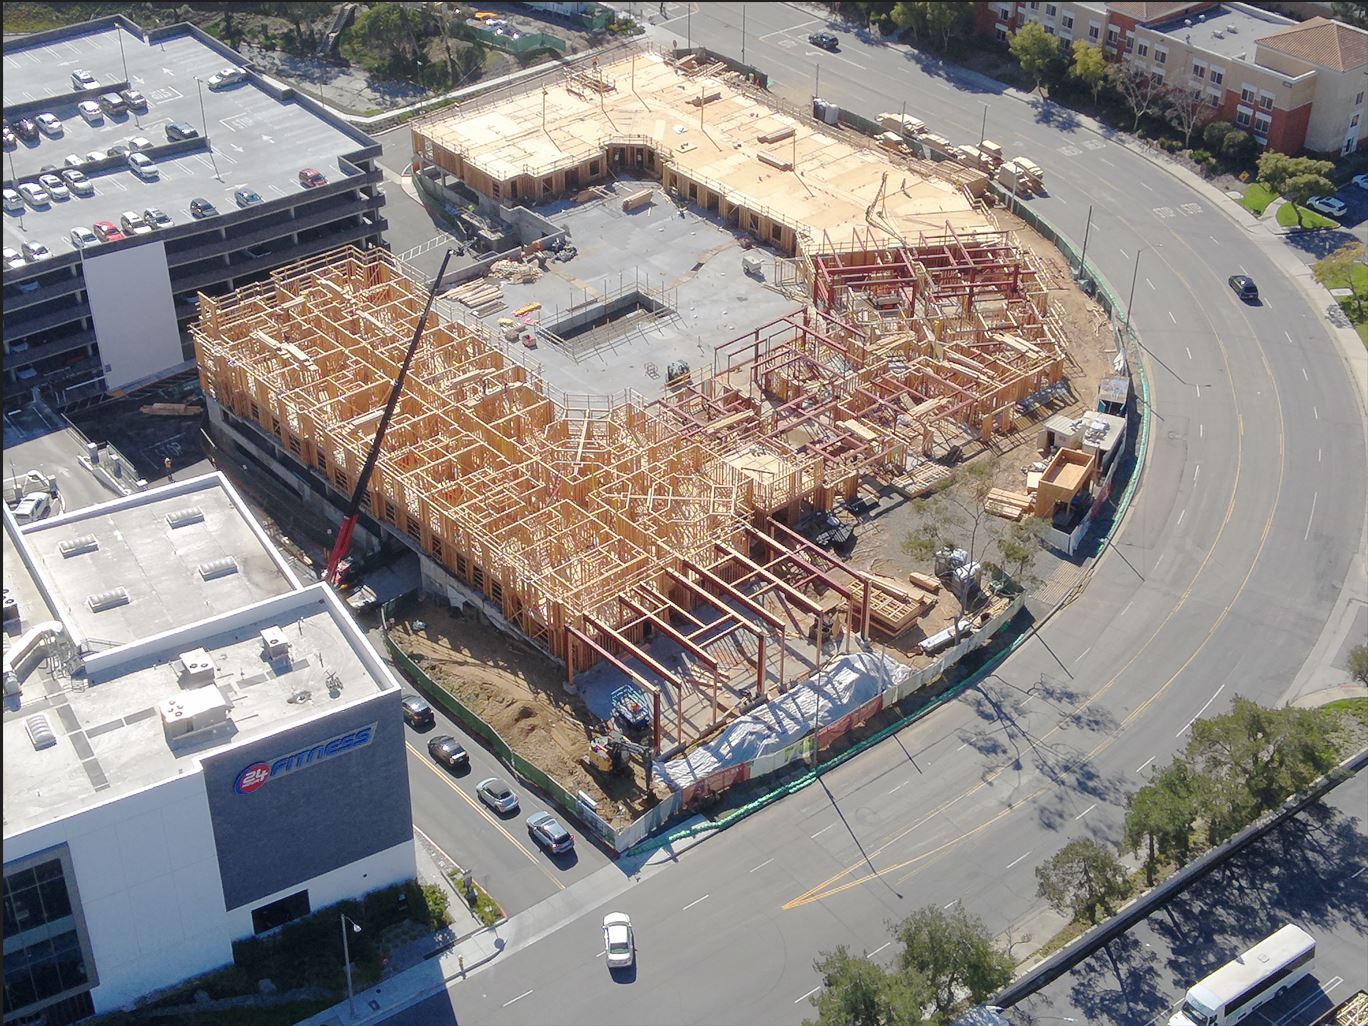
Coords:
844,685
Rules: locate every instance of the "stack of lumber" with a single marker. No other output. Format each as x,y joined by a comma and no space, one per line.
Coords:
638,199
894,606
482,296
171,410
1008,505
515,271
925,582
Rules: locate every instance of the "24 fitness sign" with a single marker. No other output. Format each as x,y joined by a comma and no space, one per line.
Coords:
257,775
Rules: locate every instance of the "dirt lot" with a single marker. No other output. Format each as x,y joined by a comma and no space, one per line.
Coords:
521,694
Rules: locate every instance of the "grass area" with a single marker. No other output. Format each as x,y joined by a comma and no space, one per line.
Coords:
1355,707
1358,276
1257,198
486,910
1347,305
1287,217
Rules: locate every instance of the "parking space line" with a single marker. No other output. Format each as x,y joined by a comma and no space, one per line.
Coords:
809,994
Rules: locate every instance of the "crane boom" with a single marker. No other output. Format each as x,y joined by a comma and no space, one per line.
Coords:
345,531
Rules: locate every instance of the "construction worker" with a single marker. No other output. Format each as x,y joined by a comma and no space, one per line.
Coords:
167,464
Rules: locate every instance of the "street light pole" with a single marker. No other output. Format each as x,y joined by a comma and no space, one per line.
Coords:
1134,274
346,958
204,121
817,85
983,131
1083,259
688,25
118,31
743,33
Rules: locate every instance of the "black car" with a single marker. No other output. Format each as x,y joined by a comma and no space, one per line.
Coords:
202,208
26,129
1244,287
178,130
825,40
449,752
418,713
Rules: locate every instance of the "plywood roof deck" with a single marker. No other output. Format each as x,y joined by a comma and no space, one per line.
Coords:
837,186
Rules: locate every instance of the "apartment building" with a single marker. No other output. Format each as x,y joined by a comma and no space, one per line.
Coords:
1293,85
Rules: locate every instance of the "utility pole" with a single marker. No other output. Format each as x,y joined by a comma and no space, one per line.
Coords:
1083,258
743,33
118,31
688,25
817,84
1134,274
983,130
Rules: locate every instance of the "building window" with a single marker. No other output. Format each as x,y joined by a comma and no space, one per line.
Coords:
1262,123
1113,34
1358,100
1049,30
1217,75
1199,70
1214,97
1247,93
1242,116
1001,34
1157,77
1266,101
1353,122
279,912
1066,21
1094,31
45,956
1160,55
1035,5
1130,41
1142,50
1050,10
1005,13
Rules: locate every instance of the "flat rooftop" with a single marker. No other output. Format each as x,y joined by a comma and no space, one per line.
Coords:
832,188
136,548
110,738
21,587
1226,30
258,140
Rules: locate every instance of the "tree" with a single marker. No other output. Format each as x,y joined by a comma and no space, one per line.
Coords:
1188,110
857,992
1358,664
910,17
1238,147
1141,91
1083,878
295,14
1017,550
1214,135
1300,188
1334,271
1252,758
954,955
1089,66
1355,12
385,28
948,19
1297,178
1161,815
1034,49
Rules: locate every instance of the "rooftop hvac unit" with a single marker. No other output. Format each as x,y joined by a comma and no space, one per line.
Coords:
197,667
107,600
185,517
217,568
193,711
40,732
275,643
76,546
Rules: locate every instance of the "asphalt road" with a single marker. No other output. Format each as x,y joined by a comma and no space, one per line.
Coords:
1218,583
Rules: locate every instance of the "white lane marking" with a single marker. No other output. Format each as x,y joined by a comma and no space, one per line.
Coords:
1145,763
951,903
1289,335
791,28
695,902
1314,497
1085,812
1106,161
878,949
1172,318
1359,873
1201,430
903,784
1304,377
1195,471
601,954
1150,283
1124,254
1124,611
1316,410
1182,514
1198,389
762,865
1200,711
518,998
809,994
824,829
1018,859
1318,455
1078,660
1185,348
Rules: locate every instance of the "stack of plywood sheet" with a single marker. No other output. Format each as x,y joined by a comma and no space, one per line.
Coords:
481,295
1008,505
925,582
894,606
172,410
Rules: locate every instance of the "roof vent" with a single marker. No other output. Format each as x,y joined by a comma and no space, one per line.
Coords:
275,643
1231,29
40,732
216,568
185,517
1218,34
76,546
192,711
197,667
108,600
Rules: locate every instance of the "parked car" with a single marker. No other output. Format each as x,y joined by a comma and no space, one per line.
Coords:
200,207
90,110
83,238
139,143
12,258
82,79
34,506
497,795
619,943
549,834
117,150
113,103
13,201
1244,287
1361,181
34,251
142,166
134,99
46,168
34,195
54,187
311,178
158,220
825,40
227,77
74,160
26,129
77,182
178,130
49,124
10,139
95,157
1332,206
418,713
108,231
246,197
131,223
449,752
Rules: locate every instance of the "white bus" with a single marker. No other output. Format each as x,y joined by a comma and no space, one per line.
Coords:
1265,971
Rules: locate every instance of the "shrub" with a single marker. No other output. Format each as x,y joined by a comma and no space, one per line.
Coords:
1214,134
1200,156
1239,147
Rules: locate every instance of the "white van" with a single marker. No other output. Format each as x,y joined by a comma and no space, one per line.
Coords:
33,507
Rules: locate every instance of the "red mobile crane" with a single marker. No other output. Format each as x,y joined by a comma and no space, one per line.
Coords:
344,533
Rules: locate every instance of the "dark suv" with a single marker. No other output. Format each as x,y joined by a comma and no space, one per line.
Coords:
825,40
418,713
1244,287
178,130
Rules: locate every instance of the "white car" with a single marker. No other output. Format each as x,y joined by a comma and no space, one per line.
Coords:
12,259
13,201
1361,181
227,77
1330,205
82,79
50,124
78,183
90,110
139,143
35,251
94,157
619,944
55,187
74,160
83,238
497,795
132,223
141,166
34,195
